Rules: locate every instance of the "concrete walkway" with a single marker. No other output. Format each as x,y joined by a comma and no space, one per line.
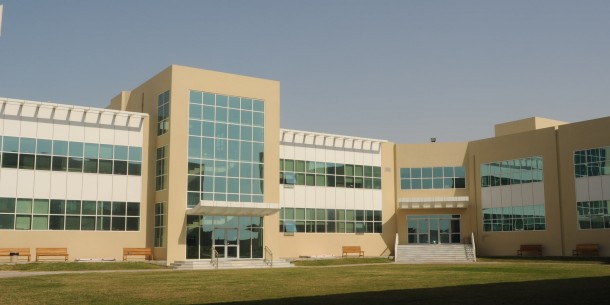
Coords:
14,274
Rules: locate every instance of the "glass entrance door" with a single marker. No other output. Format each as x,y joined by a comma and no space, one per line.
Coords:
433,229
224,240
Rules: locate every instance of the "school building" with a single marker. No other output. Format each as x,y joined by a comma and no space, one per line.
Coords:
194,165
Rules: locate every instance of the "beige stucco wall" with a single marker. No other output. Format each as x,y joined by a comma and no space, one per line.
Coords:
524,125
579,136
180,80
329,244
541,142
431,155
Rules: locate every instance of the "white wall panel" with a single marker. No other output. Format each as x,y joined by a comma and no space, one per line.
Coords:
496,197
92,134
42,184
486,197
77,132
299,153
528,194
8,182
320,197
59,185
506,195
310,195
288,152
606,187
288,197
28,128
582,189
121,137
377,199
320,155
75,186
595,188
330,156
119,188
376,159
538,190
282,148
299,196
136,138
330,199
106,136
11,127
104,188
61,131
90,186
516,194
44,130
350,157
25,183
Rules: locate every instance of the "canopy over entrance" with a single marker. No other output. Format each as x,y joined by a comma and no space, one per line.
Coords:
217,208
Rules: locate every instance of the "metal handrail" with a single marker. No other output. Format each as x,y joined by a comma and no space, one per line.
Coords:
396,247
214,260
474,247
268,257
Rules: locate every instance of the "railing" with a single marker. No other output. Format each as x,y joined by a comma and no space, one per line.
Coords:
396,247
214,260
268,257
474,247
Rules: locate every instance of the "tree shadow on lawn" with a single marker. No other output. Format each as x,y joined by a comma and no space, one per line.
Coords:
595,290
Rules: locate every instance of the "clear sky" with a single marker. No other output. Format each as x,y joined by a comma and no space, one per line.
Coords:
403,71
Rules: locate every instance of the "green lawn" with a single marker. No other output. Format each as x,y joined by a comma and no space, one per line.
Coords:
481,283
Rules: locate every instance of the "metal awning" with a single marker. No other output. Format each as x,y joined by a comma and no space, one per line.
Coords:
218,208
457,202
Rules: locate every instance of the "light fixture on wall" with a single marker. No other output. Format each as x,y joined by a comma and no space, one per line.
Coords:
432,140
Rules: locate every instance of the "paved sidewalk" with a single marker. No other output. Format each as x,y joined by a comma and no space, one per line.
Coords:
13,274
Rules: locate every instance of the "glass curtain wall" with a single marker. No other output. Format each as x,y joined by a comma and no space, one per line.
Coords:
239,237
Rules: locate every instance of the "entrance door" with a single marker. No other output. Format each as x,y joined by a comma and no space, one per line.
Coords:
433,229
224,240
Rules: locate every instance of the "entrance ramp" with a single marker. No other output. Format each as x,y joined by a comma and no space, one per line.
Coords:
230,264
443,253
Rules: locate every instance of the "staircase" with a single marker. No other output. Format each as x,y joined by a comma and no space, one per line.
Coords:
229,264
444,253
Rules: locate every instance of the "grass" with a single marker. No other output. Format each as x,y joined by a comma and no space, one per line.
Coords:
481,283
341,261
61,266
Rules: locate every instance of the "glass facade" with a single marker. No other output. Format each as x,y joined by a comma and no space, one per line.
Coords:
161,169
433,229
518,171
330,220
513,215
160,212
60,214
163,113
232,236
71,156
418,178
592,162
593,214
225,148
312,173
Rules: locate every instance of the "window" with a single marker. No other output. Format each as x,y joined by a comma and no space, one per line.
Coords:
56,214
56,155
447,177
330,221
159,224
225,148
163,113
301,172
161,169
513,215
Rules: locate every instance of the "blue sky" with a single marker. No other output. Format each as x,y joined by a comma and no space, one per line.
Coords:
403,71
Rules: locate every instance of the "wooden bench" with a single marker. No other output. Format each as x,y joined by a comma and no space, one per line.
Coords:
146,252
536,249
352,249
581,249
52,252
20,251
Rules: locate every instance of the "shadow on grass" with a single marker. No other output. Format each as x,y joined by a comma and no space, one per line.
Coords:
565,291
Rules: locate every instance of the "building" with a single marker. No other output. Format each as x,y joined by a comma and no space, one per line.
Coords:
219,175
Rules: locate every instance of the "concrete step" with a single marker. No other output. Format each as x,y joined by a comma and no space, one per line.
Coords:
229,264
434,253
